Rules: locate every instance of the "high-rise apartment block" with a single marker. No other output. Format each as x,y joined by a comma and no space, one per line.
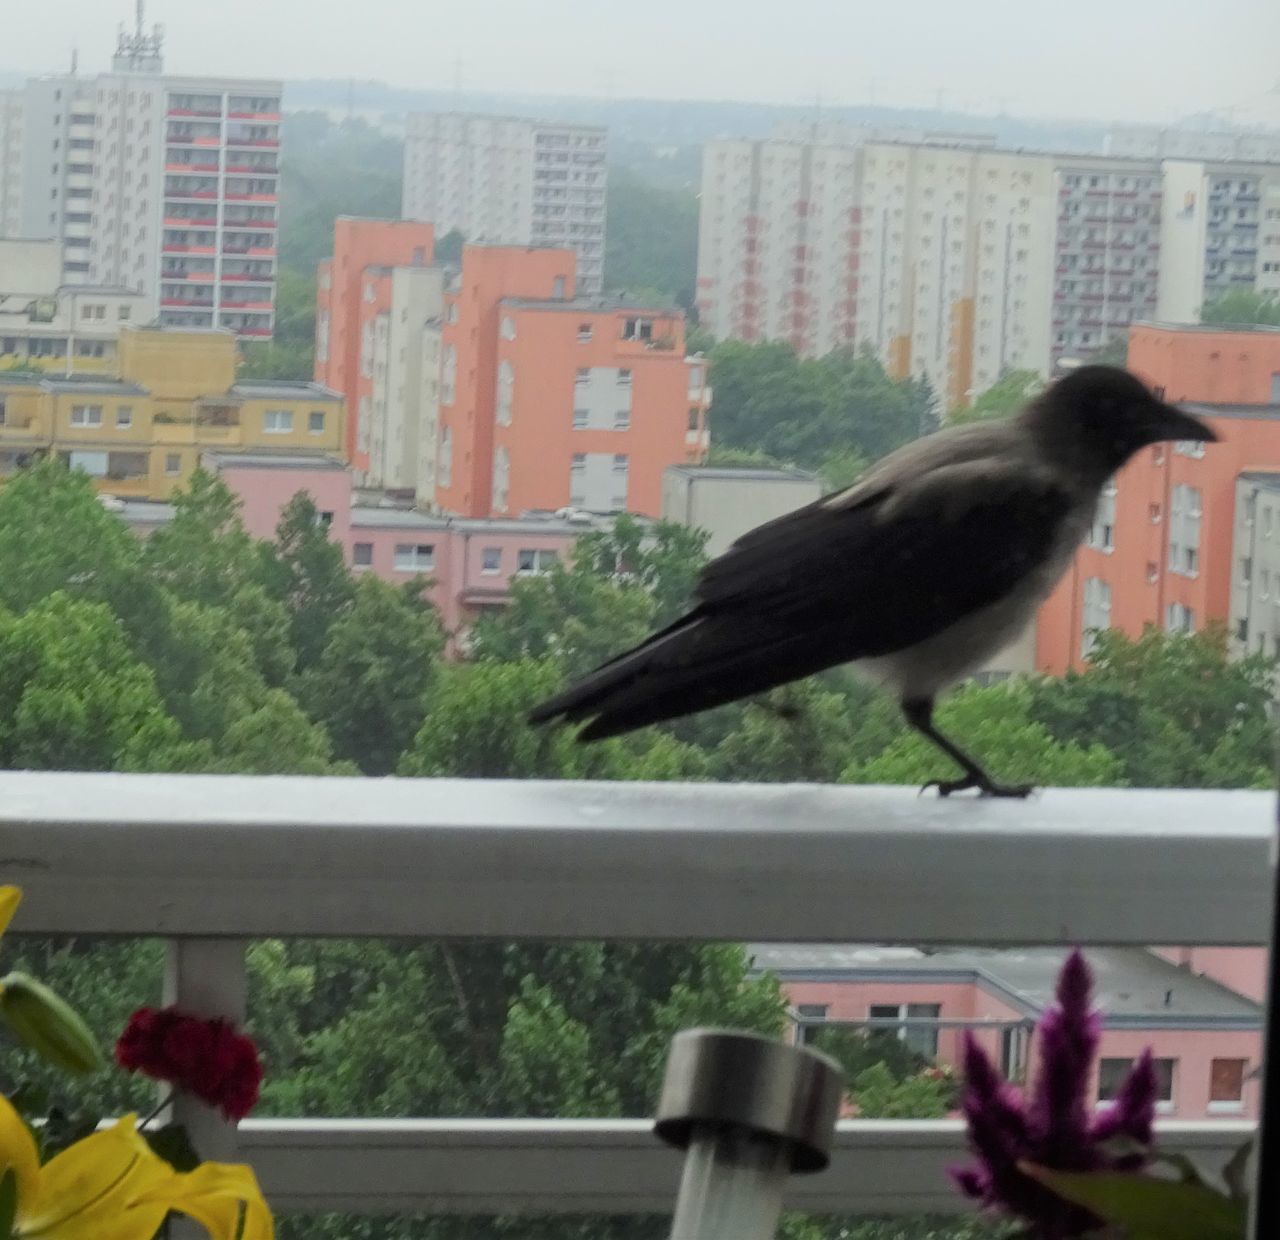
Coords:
506,181
490,388
935,256
162,185
956,261
1155,142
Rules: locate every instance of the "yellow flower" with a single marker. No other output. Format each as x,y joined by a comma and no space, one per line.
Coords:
111,1186
10,898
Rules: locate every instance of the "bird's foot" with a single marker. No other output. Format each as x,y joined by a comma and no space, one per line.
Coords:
986,787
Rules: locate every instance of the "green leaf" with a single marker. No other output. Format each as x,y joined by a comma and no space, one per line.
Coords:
8,1203
173,1145
1146,1207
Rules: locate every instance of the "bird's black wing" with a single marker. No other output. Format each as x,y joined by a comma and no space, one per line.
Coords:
825,585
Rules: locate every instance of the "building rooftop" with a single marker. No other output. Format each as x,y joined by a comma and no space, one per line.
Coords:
267,388
597,305
115,290
370,517
1261,413
1207,329
747,473
93,385
1133,985
140,511
267,459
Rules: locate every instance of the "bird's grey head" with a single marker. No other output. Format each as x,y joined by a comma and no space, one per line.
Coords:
1095,418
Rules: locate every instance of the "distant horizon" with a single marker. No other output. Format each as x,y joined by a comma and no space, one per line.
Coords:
1195,119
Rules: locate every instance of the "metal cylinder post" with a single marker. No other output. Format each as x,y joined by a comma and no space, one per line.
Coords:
748,1111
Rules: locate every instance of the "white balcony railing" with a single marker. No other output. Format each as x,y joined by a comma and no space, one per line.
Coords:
209,862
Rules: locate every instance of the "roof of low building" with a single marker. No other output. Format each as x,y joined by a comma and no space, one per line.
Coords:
743,473
1260,412
285,389
267,458
1206,328
592,305
92,385
1133,986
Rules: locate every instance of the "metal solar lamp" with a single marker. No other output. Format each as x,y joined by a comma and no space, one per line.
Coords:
748,1112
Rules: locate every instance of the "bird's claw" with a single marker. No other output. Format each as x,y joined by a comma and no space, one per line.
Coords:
986,787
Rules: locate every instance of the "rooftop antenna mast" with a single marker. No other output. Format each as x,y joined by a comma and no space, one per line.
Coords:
139,52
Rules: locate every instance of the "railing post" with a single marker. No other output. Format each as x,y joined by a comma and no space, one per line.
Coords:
748,1112
206,976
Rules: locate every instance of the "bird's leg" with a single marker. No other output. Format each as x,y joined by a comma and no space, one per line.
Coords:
919,714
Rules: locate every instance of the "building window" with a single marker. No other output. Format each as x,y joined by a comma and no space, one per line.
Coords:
172,463
810,1017
508,328
414,557
315,422
124,417
530,561
622,420
277,421
1179,618
86,415
1097,613
624,378
1111,1072
581,419
1226,1084
1102,534
362,555
583,377
1184,531
923,1039
637,329
123,312
506,392
491,561
584,333
1189,447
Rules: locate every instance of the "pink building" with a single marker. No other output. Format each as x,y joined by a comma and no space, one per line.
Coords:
468,563
1206,1037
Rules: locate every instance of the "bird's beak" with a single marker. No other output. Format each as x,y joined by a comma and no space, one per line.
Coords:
1173,423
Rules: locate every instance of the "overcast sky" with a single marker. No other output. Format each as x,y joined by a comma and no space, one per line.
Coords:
1105,59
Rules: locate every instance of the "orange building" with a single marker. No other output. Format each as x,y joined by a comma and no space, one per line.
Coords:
349,299
1161,550
490,389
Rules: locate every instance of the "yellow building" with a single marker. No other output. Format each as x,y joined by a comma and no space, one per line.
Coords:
140,432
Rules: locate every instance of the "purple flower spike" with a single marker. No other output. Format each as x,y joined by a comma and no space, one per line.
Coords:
1052,1126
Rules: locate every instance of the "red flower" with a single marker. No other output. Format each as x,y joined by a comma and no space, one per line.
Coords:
207,1058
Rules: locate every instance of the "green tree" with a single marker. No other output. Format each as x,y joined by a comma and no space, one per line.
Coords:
74,697
1243,306
1114,353
289,359
1006,396
996,724
448,249
305,570
879,1095
1175,710
652,241
370,685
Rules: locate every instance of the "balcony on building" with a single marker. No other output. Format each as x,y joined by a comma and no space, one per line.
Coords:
207,863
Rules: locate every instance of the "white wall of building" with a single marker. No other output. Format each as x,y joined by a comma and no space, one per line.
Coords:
1182,241
509,181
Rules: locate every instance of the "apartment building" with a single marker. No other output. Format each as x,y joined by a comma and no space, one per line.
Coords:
10,162
1206,1037
1174,543
938,257
466,566
957,262
140,430
361,304
1156,142
167,186
490,388
509,181
46,325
